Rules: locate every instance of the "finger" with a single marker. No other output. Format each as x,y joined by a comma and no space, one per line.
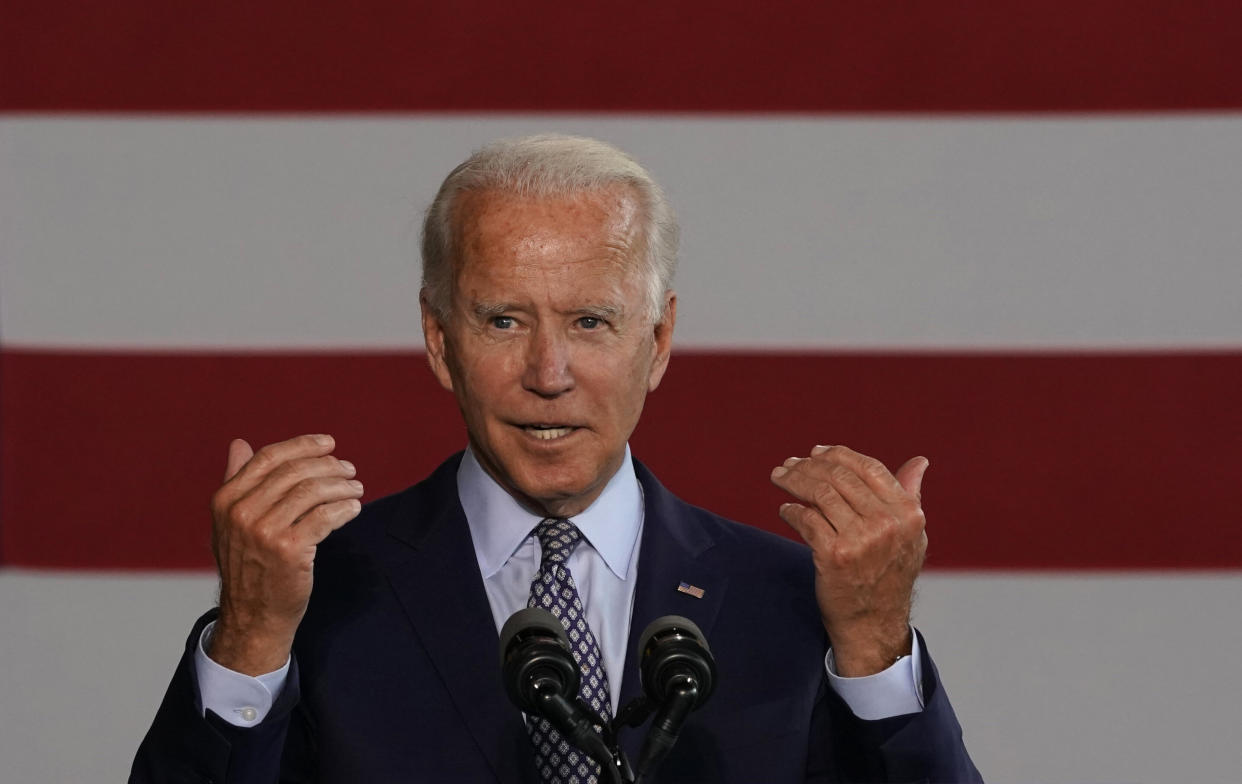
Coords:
316,524
815,529
863,497
807,484
283,478
273,456
861,489
910,475
239,453
874,473
303,497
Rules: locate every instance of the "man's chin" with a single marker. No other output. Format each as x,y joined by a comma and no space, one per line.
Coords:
553,483
557,496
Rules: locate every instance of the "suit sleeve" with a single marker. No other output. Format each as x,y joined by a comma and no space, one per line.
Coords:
184,745
917,747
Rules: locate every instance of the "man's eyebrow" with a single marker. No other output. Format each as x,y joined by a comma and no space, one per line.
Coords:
485,310
489,309
607,311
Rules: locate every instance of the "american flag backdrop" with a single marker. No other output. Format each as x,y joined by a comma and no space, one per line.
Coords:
1003,235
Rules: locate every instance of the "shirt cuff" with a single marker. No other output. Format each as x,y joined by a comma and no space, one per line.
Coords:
241,700
892,692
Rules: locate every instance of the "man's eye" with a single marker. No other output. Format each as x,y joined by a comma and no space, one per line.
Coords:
589,322
502,322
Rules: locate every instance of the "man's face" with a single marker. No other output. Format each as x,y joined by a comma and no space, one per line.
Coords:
550,349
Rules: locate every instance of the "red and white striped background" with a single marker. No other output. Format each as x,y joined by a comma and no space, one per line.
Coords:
1003,236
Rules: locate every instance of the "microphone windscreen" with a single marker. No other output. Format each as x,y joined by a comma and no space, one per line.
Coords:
672,648
671,623
528,622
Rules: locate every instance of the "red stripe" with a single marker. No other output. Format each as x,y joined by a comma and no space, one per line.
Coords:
491,55
1059,461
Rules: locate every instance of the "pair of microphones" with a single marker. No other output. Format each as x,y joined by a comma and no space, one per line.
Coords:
541,677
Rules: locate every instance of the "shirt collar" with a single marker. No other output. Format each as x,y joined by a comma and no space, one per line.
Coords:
499,524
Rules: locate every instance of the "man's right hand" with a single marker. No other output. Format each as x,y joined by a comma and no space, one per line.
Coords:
275,507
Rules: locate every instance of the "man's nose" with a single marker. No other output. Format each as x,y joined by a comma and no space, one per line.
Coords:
547,364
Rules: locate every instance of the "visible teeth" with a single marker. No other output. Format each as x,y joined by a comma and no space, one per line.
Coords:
548,433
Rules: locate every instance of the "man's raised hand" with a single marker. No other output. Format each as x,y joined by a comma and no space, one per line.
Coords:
274,508
865,527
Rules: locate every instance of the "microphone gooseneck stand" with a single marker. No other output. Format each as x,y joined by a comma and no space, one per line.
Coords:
542,679
678,675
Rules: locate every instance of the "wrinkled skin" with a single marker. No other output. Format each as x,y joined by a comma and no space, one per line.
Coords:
550,334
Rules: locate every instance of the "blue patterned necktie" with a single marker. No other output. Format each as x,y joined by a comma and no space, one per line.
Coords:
554,590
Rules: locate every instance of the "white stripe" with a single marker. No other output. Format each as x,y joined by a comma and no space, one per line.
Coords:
1060,679
799,232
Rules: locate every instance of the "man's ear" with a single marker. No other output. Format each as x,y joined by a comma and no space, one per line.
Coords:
436,341
663,341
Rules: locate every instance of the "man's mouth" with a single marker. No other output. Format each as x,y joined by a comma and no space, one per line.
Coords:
548,432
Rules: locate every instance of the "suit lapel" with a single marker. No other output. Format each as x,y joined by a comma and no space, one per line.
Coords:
674,550
436,579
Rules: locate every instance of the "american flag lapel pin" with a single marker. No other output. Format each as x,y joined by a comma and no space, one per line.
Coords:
692,590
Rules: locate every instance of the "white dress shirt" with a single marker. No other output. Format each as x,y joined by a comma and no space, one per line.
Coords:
603,566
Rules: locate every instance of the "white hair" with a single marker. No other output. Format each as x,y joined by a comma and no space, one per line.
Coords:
549,166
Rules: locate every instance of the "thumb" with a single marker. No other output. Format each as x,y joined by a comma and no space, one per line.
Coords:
239,453
910,475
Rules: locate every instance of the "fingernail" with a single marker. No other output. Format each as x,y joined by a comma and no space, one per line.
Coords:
355,505
323,440
790,462
779,471
354,484
820,449
349,467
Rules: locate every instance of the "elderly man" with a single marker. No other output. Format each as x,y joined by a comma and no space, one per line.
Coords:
548,312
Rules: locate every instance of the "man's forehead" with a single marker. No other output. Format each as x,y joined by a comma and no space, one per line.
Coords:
512,233
612,205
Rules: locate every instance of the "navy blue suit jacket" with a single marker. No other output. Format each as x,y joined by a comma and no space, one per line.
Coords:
396,674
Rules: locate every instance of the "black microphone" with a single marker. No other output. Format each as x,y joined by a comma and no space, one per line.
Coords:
678,674
542,678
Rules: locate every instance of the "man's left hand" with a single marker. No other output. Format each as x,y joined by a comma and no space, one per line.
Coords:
865,527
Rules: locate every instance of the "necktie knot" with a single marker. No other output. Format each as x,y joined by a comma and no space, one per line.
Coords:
557,539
